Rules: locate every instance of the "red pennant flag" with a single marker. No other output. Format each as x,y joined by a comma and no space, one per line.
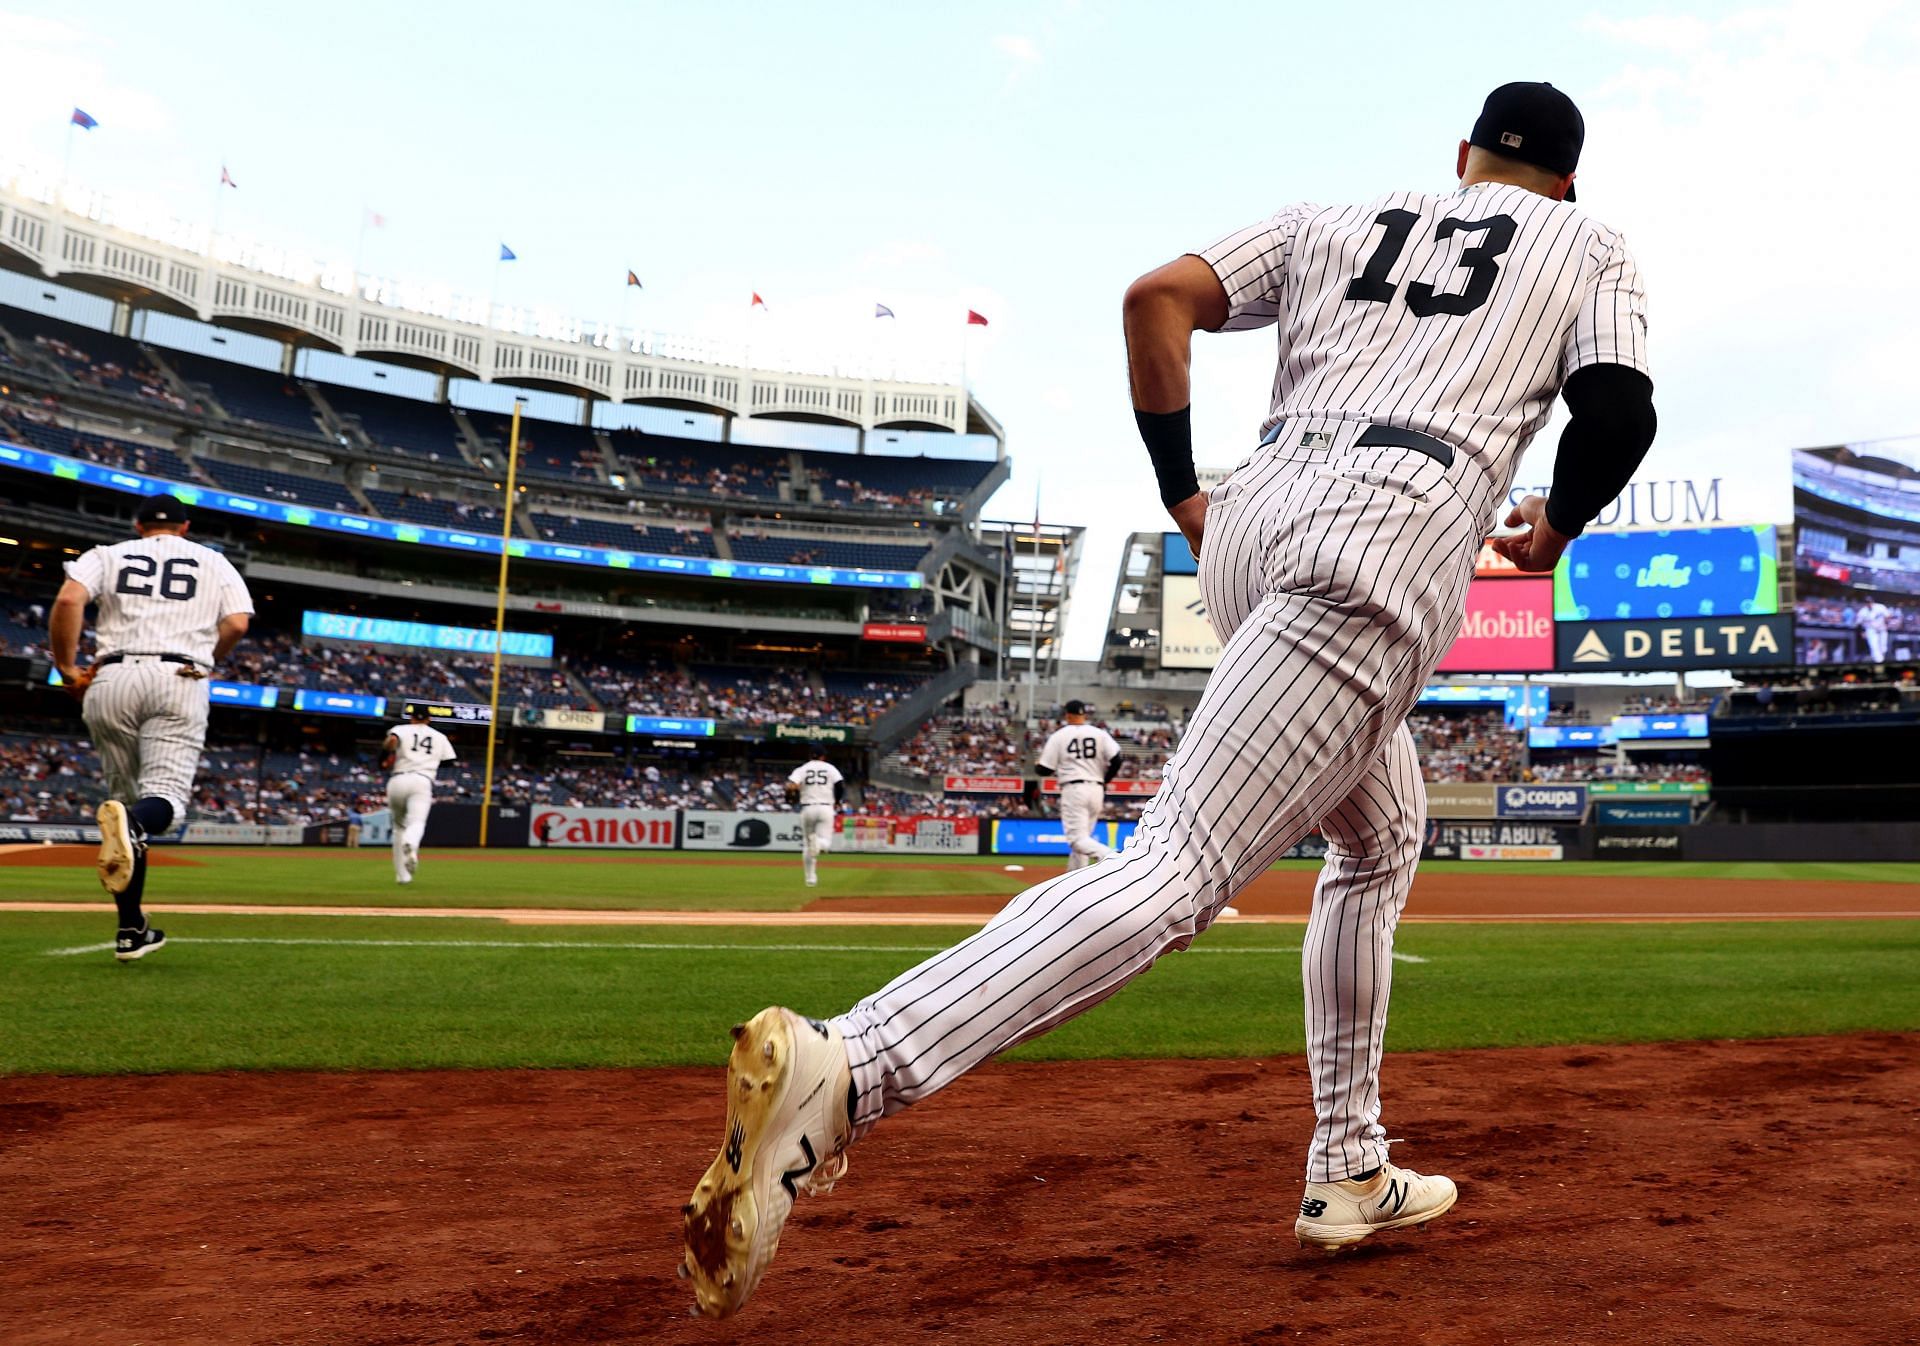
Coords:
634,281
226,179
758,302
975,320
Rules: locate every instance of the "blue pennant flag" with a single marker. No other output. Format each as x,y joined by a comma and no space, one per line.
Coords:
82,120
506,253
882,311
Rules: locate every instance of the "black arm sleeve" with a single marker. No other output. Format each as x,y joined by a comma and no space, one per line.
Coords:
1603,445
1039,770
839,792
1113,767
1168,436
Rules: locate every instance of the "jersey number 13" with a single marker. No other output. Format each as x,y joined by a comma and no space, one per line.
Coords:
1481,262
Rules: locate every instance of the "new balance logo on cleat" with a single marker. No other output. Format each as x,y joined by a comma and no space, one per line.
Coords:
1395,1198
736,1145
813,1162
1312,1207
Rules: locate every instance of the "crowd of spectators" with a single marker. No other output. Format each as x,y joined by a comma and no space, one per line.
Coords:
1467,746
142,380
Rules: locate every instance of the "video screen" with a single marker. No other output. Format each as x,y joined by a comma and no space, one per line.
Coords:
1856,510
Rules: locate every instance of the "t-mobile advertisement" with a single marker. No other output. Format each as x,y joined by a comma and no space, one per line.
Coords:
1508,628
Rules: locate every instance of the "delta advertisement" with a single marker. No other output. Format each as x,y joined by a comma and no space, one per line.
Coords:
1682,572
1508,628
564,828
717,830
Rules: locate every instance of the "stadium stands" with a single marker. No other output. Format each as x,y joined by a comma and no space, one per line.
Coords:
590,532
783,549
90,357
256,396
547,448
891,483
273,485
432,511
126,454
693,468
400,425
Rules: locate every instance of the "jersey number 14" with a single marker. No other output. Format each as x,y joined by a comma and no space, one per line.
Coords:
1482,261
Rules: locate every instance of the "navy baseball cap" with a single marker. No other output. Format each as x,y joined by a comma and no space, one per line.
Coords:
1534,123
1075,708
167,509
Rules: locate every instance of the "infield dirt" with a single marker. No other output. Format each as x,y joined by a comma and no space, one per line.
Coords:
1688,1192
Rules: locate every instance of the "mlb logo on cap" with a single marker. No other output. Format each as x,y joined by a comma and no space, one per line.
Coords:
1510,140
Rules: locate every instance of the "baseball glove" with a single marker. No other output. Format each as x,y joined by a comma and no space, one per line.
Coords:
76,686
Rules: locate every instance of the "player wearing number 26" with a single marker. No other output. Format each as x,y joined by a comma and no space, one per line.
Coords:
169,610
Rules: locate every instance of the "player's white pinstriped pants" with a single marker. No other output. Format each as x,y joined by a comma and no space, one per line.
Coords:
816,837
1080,806
148,724
410,800
1336,578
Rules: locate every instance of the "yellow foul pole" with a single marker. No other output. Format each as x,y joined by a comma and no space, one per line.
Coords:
500,617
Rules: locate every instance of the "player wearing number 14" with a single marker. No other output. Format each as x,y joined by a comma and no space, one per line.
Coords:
169,610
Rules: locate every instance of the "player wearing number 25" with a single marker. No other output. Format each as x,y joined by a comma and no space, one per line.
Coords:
169,610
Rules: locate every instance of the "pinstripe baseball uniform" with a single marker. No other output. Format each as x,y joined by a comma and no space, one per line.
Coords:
418,751
157,596
1077,755
1422,341
816,781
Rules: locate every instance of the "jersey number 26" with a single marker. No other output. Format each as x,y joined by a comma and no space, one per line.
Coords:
177,580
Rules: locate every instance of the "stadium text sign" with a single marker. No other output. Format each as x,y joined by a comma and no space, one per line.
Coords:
810,733
1701,642
1459,800
1647,504
714,830
1187,639
900,633
1542,801
421,635
1135,789
1508,628
587,721
457,712
984,785
616,829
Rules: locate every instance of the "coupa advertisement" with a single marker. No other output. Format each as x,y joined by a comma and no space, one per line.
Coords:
1566,803
713,830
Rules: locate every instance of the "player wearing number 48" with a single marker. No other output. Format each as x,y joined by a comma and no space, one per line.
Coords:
169,610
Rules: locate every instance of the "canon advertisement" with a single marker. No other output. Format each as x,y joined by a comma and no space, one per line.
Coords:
602,829
1508,628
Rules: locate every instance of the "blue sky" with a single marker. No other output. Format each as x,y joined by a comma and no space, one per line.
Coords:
1028,161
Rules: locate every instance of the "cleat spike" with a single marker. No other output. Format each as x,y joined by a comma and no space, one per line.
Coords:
683,1271
739,1229
739,1031
766,1050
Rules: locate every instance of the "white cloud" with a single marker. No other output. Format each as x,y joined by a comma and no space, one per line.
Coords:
1021,50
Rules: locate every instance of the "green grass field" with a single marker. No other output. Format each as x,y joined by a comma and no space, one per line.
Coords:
608,881
289,991
392,993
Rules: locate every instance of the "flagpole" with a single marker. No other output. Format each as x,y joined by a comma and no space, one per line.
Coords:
500,617
1033,623
66,164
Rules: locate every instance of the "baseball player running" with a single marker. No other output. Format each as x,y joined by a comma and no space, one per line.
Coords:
817,786
1874,618
169,610
1422,339
413,753
1083,757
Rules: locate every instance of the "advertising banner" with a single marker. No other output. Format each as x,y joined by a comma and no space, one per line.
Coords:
450,712
1186,637
422,635
1448,800
1648,787
716,830
670,725
241,834
581,721
1643,813
1508,628
810,733
985,785
1571,736
340,703
1682,572
928,835
1666,646
1498,841
242,694
612,829
1629,728
1176,557
1126,789
1542,801
54,832
1637,843
1042,836
899,633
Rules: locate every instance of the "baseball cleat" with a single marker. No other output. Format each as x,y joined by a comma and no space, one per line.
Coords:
1336,1214
411,855
131,944
787,1132
116,847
